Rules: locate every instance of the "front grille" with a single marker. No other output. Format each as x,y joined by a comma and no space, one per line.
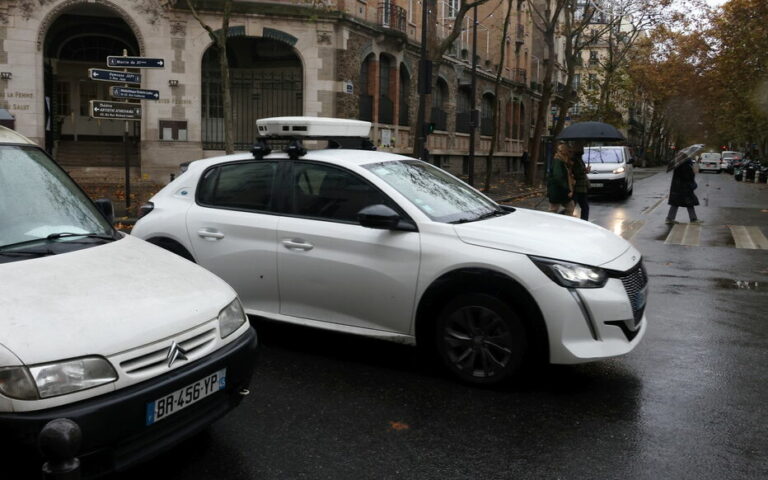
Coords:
635,282
194,347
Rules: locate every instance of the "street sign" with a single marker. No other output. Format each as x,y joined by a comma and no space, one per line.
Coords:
114,76
115,110
135,62
134,93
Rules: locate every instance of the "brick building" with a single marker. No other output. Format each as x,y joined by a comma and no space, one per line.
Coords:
339,58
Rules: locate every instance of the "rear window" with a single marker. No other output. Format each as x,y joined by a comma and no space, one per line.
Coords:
602,156
710,157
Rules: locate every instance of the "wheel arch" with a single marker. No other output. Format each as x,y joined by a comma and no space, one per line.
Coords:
172,246
481,280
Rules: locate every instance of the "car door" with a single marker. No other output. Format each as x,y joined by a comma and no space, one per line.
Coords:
331,268
233,230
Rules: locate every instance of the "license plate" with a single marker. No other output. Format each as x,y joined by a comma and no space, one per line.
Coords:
182,398
596,185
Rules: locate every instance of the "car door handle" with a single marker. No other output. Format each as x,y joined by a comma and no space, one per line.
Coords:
210,234
297,244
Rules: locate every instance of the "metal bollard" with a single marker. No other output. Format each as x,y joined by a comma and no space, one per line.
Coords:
59,442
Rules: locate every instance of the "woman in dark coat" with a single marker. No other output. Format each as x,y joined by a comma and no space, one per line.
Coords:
681,192
560,182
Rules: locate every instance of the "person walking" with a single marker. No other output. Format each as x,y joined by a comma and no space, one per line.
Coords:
560,182
581,182
681,193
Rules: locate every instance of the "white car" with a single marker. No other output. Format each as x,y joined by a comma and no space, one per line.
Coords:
386,246
610,170
710,161
138,347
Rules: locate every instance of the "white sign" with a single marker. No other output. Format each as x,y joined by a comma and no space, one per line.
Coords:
349,87
386,138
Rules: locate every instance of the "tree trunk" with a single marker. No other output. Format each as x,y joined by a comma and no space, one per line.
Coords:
541,112
500,70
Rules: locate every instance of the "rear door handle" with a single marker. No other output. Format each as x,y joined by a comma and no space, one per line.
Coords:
297,244
210,234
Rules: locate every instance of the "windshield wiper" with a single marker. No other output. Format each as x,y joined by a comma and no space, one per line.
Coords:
102,236
492,213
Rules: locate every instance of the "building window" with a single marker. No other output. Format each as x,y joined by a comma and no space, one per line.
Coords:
61,105
592,81
88,91
452,8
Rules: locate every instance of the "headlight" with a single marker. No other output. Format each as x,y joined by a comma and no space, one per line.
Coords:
15,382
71,376
571,275
231,318
619,170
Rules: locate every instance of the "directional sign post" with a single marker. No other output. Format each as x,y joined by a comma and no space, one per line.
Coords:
135,62
114,76
115,110
134,93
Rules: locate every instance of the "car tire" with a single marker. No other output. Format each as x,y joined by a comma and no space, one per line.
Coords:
481,340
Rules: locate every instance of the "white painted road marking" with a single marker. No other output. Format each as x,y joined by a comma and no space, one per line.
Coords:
749,237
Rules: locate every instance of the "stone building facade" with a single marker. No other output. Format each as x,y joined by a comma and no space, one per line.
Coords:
335,58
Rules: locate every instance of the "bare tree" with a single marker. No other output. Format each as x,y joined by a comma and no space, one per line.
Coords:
496,87
219,38
546,17
436,48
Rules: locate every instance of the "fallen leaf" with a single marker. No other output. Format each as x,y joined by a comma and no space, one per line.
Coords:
398,426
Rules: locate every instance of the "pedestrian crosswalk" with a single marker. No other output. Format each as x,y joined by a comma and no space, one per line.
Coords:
746,237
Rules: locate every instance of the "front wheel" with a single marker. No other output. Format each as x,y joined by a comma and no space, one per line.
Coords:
480,339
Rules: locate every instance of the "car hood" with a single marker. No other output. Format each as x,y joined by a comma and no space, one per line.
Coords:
103,300
531,232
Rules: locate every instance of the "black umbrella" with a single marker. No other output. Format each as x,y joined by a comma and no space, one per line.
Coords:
591,131
684,155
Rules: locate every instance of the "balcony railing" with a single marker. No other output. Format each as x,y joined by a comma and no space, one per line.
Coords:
519,75
486,126
462,122
391,16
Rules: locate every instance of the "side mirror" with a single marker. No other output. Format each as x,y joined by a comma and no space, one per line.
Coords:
104,205
381,217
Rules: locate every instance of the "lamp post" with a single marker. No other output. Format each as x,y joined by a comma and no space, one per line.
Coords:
424,86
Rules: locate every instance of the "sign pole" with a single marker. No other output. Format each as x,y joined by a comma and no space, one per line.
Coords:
126,157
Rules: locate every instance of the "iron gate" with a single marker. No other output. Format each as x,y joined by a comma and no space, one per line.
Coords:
255,94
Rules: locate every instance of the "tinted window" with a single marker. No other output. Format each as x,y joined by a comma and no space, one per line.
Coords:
246,185
331,193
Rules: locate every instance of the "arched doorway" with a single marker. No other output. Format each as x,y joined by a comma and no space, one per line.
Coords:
81,38
266,80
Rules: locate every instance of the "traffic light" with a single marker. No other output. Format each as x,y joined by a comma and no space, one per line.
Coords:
723,147
428,128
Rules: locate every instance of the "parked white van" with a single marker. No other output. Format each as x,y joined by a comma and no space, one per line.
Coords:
710,161
138,346
610,170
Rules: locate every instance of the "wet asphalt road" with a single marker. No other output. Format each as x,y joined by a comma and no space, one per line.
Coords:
688,403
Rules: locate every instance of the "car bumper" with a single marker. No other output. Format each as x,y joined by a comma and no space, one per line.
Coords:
114,430
608,185
588,324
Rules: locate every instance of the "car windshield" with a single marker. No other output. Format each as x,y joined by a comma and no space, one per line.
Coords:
39,203
441,196
595,155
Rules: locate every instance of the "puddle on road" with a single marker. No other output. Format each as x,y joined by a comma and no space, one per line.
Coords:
728,284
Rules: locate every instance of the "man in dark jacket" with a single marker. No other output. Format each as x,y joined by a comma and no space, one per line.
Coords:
681,192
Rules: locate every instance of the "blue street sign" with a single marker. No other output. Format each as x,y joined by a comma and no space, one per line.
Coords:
135,93
115,110
135,62
113,76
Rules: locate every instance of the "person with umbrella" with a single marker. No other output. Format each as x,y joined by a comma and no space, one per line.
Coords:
560,182
580,133
581,181
681,191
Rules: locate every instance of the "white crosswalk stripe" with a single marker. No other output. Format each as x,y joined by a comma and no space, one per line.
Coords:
748,237
684,234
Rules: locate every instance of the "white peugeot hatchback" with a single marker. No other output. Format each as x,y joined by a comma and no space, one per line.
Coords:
386,246
137,346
